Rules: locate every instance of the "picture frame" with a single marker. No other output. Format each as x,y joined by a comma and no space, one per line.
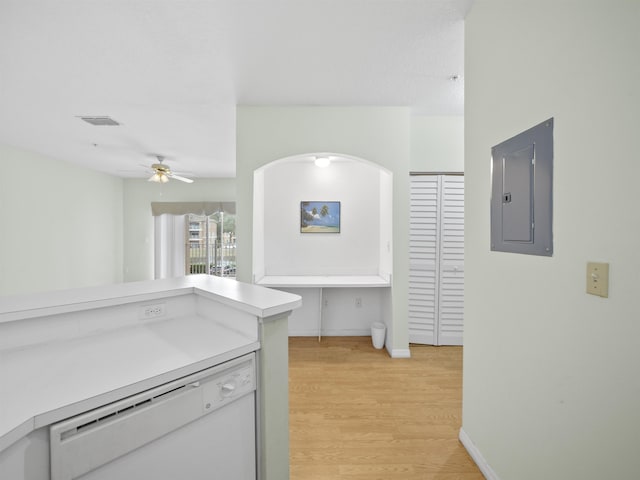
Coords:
320,217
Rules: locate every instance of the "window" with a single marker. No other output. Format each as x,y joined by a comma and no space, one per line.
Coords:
190,243
212,244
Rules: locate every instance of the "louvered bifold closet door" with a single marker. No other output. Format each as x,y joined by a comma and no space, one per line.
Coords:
423,259
436,259
451,291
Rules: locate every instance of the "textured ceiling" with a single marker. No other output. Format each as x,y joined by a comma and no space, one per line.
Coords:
173,71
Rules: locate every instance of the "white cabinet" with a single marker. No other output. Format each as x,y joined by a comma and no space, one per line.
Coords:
436,259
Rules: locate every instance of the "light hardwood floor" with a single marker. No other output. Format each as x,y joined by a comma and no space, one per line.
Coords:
356,413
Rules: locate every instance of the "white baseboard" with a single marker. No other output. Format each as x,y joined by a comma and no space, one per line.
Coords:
393,353
477,457
400,353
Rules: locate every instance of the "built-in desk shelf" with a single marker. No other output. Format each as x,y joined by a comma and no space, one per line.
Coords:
323,282
326,281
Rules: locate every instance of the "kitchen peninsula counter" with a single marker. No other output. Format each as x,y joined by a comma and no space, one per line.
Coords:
63,353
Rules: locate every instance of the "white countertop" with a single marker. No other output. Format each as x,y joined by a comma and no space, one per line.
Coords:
48,381
328,281
249,298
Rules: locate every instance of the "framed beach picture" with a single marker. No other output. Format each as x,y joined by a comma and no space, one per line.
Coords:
319,217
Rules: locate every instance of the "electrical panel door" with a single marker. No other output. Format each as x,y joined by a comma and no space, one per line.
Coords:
521,192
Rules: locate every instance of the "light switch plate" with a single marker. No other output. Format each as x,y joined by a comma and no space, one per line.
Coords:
598,279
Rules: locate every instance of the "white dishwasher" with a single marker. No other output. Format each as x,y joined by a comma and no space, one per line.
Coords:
198,427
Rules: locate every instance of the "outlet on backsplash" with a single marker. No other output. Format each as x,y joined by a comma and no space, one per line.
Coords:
151,311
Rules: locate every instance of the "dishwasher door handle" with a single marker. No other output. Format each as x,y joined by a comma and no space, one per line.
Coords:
228,389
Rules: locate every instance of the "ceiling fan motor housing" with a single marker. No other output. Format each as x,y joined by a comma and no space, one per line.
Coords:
162,173
160,168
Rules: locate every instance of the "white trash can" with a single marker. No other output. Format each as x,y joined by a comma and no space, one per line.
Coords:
378,331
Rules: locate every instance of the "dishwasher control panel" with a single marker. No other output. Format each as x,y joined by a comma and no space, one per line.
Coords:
221,389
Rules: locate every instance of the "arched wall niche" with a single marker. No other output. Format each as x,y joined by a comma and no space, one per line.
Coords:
359,255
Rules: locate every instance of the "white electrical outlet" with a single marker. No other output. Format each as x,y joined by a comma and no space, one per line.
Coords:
151,311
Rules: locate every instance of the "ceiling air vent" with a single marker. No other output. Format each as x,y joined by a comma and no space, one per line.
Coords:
100,121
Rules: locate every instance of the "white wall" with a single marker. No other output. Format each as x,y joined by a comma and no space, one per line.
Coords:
353,251
61,225
340,314
64,226
437,144
551,384
138,222
378,134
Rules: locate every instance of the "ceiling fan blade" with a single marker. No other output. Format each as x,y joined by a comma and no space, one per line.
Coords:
182,179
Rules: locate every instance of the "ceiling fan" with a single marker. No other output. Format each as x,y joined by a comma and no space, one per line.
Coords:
162,173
